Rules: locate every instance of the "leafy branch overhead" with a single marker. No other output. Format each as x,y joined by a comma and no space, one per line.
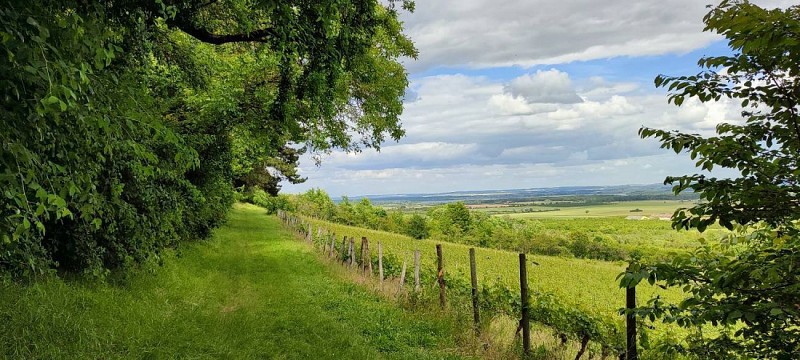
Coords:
762,75
748,286
128,123
337,63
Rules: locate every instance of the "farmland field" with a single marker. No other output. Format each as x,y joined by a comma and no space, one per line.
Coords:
622,209
655,235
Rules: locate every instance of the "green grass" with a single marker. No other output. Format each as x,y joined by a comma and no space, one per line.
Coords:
658,236
648,207
250,292
590,285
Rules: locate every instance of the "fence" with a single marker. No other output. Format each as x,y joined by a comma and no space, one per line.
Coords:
542,308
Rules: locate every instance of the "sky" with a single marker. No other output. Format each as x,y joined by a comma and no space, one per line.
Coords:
536,93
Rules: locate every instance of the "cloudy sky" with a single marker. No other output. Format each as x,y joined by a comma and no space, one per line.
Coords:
536,93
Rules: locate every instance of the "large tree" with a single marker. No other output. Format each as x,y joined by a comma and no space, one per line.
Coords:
748,286
127,122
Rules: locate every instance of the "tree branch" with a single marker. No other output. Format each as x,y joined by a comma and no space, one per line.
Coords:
261,35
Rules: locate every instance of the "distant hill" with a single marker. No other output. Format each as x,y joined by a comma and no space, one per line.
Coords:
593,193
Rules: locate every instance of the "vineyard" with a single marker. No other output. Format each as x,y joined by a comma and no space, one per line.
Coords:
578,299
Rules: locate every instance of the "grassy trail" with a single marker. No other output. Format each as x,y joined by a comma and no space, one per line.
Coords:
250,292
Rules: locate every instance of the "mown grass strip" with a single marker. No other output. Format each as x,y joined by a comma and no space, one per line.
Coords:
250,292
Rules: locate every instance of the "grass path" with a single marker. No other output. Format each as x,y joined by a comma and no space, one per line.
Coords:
250,292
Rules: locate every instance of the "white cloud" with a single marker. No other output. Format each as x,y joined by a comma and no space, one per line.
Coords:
516,105
551,86
497,176
544,128
460,128
599,88
485,33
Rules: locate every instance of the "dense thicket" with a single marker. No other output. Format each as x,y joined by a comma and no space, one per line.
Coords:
126,124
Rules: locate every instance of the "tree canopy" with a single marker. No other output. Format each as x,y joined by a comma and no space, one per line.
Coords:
127,123
748,286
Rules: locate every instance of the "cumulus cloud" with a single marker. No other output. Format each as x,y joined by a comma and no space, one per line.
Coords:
460,125
543,128
516,105
497,176
484,33
551,86
424,154
598,87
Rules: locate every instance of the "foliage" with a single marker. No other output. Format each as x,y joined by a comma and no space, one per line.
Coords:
316,203
257,196
450,221
592,238
750,290
127,123
92,177
417,228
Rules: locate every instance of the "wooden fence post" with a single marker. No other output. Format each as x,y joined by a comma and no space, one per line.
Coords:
380,263
632,352
344,249
525,322
360,258
416,270
360,263
366,257
440,275
308,234
403,276
473,272
333,245
352,251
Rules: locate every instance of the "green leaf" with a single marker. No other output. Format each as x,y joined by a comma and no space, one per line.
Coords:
50,100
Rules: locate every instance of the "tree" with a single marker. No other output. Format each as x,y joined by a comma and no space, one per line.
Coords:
127,122
450,221
748,286
458,214
417,227
316,203
345,212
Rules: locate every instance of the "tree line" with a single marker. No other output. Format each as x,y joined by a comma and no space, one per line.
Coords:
455,222
127,124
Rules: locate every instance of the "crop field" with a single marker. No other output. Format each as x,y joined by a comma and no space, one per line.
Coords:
623,209
642,234
589,285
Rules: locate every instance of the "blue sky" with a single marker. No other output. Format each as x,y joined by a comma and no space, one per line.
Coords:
627,68
533,93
